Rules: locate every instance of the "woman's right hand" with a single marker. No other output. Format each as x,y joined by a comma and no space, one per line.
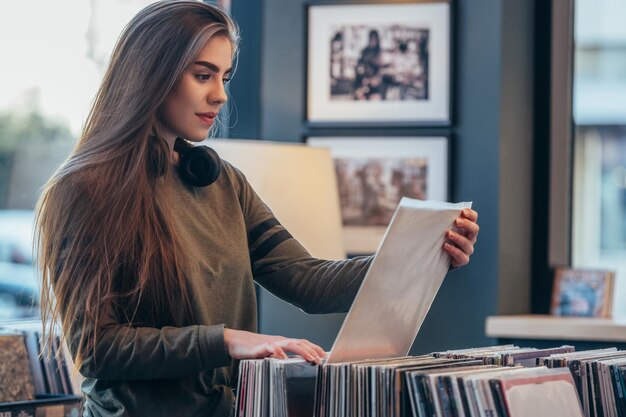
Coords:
248,345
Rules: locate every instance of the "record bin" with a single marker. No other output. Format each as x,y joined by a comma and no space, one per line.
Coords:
44,406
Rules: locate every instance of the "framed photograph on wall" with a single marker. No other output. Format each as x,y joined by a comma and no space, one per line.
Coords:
374,173
582,292
379,63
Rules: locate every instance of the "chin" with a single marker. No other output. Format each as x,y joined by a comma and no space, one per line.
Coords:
197,137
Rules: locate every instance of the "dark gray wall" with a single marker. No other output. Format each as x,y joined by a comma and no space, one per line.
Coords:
245,106
467,296
516,156
492,77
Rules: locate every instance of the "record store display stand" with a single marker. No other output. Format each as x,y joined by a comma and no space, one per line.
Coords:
498,381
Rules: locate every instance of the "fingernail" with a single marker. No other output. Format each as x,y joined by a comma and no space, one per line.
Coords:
459,222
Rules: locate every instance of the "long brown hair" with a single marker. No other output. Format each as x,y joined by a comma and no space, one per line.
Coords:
106,239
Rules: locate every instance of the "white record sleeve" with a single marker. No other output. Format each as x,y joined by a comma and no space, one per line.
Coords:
400,285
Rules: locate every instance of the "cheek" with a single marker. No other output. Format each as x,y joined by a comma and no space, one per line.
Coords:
168,112
174,109
180,105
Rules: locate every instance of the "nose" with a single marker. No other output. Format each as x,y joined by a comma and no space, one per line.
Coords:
217,95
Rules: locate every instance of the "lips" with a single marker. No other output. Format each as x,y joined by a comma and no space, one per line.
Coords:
207,118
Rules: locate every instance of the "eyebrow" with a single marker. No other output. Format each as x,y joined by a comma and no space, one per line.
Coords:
212,67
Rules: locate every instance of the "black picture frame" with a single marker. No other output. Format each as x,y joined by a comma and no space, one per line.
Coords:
434,110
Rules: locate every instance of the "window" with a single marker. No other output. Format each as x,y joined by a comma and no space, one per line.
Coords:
599,112
53,57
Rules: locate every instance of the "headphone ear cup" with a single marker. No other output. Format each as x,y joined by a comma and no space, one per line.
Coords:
199,166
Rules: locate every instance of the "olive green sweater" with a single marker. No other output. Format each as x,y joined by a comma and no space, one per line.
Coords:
186,371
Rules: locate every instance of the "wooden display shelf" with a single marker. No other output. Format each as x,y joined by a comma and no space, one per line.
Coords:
556,328
44,406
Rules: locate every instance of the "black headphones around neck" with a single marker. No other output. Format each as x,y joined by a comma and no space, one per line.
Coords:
199,165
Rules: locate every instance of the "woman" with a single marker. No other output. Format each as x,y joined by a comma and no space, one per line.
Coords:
368,79
151,276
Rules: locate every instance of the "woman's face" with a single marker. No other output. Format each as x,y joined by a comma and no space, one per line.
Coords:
190,108
373,40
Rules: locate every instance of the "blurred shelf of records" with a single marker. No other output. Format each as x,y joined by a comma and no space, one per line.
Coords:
503,381
36,381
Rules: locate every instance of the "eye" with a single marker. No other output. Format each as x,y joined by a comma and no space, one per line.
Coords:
203,77
226,80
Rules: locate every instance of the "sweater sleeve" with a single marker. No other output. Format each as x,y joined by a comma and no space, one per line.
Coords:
284,267
125,352
129,353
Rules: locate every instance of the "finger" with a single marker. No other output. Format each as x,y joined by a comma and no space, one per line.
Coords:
319,352
461,242
274,351
315,354
301,344
459,258
263,351
296,346
468,228
278,352
312,346
470,214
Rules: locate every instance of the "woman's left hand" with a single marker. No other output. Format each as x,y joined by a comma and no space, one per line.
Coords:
461,238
